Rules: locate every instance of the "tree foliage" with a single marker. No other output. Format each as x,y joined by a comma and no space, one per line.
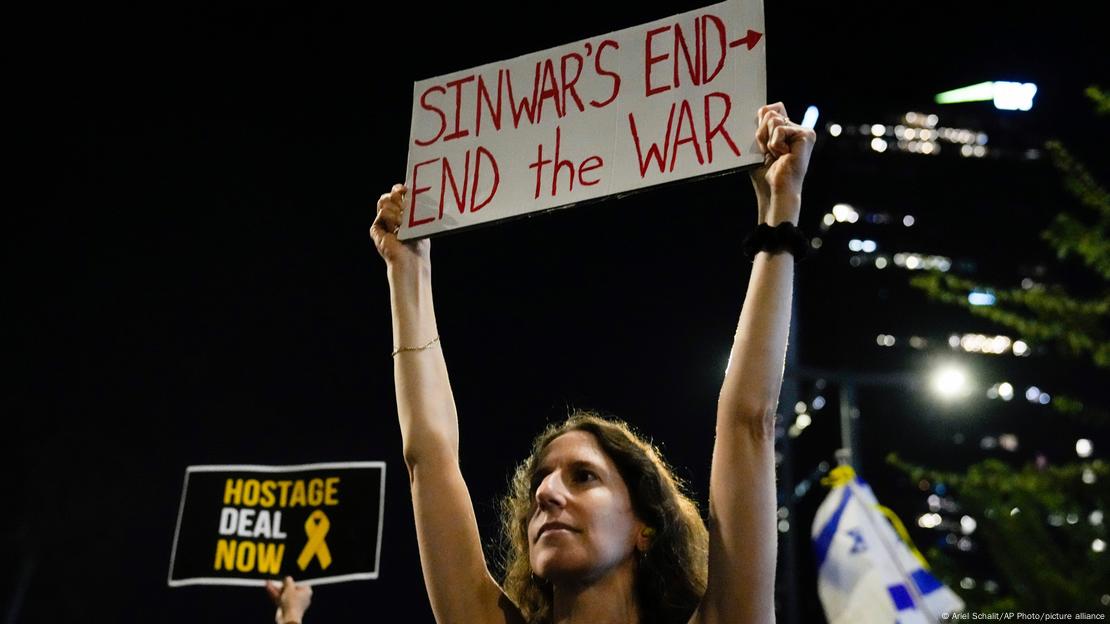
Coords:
1051,314
1037,525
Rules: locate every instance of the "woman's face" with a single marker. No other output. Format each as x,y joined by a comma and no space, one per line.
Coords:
582,524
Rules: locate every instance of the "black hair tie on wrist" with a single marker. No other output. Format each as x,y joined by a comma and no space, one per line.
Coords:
782,237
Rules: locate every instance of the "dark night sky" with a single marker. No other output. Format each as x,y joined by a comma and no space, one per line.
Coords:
189,278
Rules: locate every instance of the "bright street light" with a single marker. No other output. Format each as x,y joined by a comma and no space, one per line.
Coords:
950,382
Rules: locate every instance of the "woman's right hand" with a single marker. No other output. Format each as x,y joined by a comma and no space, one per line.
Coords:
383,232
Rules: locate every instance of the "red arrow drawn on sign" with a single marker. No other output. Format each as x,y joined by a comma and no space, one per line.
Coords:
750,39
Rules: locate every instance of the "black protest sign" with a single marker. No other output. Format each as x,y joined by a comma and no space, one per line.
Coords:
241,525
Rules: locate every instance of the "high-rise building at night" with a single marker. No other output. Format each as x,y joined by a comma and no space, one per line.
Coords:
958,190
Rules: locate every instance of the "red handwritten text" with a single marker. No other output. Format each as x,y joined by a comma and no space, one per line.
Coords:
449,177
696,67
683,131
555,89
586,166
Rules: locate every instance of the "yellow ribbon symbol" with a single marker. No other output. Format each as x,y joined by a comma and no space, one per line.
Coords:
316,527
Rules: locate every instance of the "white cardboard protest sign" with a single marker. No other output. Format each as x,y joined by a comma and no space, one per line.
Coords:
669,100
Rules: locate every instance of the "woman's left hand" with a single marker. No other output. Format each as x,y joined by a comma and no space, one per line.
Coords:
786,148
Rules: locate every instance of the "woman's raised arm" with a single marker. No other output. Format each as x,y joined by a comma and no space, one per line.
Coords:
742,523
458,581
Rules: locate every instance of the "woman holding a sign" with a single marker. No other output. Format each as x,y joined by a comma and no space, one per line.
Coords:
597,529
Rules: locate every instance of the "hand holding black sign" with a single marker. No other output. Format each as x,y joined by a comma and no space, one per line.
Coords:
291,600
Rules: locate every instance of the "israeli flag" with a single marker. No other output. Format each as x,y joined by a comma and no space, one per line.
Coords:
866,573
